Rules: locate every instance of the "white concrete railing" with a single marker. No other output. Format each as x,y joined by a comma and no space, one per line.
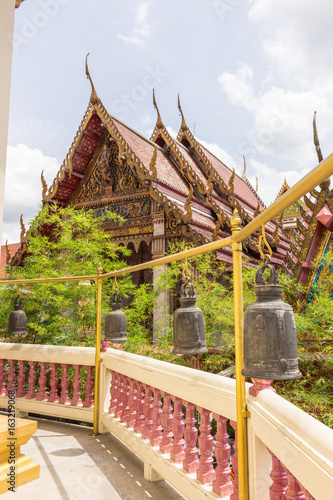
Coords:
151,396
46,391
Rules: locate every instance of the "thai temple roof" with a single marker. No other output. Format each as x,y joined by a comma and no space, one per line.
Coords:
312,237
193,186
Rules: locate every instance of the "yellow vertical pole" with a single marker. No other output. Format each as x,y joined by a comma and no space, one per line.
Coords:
239,347
97,350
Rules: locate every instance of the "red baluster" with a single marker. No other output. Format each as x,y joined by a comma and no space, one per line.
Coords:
191,461
222,485
88,398
42,396
64,398
177,453
167,434
279,478
120,403
2,377
234,461
132,404
156,436
260,385
113,393
294,490
11,376
20,391
147,409
205,473
32,380
126,409
76,399
53,397
308,495
140,401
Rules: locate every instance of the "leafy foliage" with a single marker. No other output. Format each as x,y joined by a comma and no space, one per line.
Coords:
62,242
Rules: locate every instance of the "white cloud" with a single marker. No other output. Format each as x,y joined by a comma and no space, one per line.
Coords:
141,29
297,42
239,86
283,124
222,155
297,38
270,180
132,39
23,189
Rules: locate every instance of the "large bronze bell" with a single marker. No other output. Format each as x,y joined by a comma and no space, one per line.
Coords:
189,335
115,322
17,323
270,339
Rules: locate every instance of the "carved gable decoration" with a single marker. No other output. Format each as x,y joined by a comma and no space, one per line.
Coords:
109,174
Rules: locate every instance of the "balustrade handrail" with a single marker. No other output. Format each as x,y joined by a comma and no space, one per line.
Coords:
297,425
49,353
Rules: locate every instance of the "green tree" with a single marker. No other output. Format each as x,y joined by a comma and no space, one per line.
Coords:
63,241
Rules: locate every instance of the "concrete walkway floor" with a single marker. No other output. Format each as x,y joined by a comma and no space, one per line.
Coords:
74,465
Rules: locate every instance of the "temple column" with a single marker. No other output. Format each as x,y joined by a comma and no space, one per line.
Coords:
161,303
7,10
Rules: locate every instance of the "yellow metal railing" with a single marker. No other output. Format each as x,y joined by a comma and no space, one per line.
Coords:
320,173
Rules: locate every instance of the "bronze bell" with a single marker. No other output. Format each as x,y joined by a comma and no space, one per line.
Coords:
115,322
189,335
17,323
270,338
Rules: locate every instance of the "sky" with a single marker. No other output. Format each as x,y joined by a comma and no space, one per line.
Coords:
250,75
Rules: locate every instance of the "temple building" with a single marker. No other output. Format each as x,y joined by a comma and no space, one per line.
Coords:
165,189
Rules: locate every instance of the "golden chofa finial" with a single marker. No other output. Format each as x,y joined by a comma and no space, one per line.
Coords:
94,99
244,170
316,138
257,184
23,236
159,123
183,126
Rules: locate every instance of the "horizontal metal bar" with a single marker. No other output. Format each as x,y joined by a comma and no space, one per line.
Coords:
48,280
317,175
209,247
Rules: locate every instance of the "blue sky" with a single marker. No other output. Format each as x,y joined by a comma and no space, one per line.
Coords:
250,75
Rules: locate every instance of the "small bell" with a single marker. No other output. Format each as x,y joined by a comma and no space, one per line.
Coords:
189,335
270,338
115,322
17,323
